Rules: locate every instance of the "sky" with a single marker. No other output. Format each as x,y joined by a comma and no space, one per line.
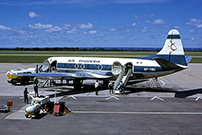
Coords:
98,23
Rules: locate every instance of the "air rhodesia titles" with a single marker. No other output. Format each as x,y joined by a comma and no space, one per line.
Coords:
85,61
89,61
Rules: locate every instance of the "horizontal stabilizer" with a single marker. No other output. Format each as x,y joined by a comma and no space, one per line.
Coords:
166,65
188,59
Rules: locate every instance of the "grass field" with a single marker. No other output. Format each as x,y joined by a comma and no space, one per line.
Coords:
40,56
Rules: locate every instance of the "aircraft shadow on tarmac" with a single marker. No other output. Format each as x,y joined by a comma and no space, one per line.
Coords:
69,91
178,94
128,90
40,116
184,94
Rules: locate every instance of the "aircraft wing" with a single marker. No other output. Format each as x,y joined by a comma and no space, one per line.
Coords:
69,75
166,65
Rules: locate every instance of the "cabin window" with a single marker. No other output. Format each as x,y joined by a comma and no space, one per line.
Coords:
82,66
71,66
107,67
88,66
100,67
76,66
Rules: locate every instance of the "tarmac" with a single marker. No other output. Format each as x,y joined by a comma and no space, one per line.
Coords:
145,109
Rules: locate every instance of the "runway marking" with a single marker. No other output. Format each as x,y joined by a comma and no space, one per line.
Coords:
143,113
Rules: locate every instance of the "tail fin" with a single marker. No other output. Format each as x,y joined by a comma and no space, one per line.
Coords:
173,50
173,44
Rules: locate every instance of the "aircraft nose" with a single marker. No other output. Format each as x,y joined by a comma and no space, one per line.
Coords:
8,74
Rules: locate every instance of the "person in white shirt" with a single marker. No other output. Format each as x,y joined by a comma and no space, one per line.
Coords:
96,87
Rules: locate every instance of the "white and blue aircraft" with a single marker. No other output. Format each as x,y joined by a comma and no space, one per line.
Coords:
169,60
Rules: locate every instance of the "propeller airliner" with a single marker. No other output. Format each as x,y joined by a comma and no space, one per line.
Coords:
170,59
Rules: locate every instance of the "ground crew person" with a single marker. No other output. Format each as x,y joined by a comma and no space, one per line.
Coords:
110,86
96,87
26,96
36,91
120,87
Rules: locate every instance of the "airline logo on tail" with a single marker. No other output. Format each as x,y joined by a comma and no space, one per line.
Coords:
172,46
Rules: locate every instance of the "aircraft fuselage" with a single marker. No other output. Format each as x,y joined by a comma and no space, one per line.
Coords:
141,69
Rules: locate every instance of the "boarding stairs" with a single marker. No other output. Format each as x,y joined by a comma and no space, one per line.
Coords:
123,76
45,83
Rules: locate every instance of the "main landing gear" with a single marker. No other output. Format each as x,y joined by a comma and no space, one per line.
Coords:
77,84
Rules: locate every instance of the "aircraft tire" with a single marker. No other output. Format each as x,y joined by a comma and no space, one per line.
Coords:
27,116
13,82
77,84
105,83
36,114
24,81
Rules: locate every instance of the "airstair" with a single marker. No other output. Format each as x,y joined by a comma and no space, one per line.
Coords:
45,83
123,76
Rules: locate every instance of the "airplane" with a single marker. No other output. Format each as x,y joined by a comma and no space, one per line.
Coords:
170,59
13,77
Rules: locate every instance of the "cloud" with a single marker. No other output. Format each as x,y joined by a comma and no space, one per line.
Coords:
112,29
176,27
33,15
144,29
53,29
92,32
86,26
134,24
143,16
199,26
4,28
20,33
40,26
195,22
66,26
74,30
192,31
158,21
147,21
